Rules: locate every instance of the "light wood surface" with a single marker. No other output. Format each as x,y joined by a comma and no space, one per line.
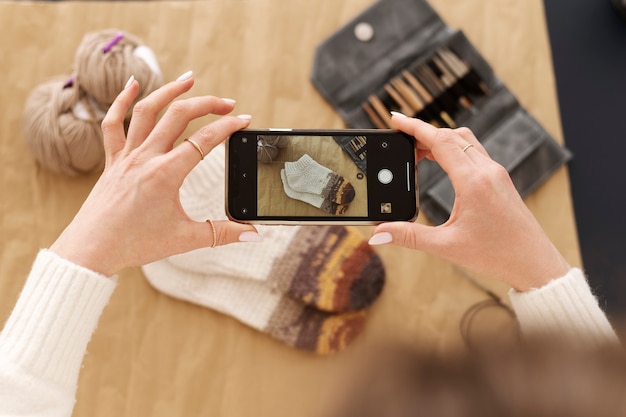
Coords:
153,355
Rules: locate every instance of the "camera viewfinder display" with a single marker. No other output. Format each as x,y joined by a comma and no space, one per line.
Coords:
311,176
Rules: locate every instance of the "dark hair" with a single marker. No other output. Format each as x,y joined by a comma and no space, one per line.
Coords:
539,378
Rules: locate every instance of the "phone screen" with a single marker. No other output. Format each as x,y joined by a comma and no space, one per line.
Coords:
324,176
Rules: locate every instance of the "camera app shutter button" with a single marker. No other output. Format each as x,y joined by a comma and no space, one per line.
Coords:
385,176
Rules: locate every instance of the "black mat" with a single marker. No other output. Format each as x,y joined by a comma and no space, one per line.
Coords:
588,40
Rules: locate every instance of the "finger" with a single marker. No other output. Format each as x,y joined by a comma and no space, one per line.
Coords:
112,125
445,145
147,110
470,138
410,235
179,114
409,124
207,138
224,232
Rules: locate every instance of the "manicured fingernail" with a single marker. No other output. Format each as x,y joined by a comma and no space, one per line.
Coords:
185,76
250,237
129,82
381,238
245,116
229,100
397,113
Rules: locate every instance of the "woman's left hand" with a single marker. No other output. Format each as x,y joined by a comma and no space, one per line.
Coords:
133,215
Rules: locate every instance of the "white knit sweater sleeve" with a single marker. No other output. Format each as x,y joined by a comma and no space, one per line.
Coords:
564,305
45,338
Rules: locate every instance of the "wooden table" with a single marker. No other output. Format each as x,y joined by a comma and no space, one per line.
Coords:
153,355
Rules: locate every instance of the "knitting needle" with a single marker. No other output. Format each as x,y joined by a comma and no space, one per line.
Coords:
418,106
451,81
405,108
428,98
464,69
373,116
380,109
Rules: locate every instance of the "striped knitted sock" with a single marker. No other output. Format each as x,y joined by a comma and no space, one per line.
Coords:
256,304
331,268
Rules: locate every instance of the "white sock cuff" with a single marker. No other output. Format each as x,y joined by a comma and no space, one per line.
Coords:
298,167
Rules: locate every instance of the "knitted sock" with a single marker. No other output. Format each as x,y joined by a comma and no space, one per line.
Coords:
307,176
329,267
255,304
315,200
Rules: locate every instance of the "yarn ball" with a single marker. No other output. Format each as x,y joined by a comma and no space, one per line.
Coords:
62,117
105,60
62,128
268,147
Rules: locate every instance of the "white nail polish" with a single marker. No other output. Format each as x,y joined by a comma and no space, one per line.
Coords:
229,100
381,238
397,113
185,76
245,116
250,237
129,82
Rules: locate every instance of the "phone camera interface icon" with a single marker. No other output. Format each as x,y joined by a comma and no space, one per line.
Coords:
385,176
385,208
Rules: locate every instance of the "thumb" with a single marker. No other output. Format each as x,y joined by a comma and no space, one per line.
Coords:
223,232
408,235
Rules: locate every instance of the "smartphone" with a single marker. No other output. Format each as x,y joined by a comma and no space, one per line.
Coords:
296,176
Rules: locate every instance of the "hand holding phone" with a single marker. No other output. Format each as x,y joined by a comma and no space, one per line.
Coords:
285,176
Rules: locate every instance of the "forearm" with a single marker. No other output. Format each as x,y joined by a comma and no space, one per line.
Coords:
564,305
45,339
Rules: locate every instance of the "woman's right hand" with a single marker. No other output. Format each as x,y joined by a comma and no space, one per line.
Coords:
490,231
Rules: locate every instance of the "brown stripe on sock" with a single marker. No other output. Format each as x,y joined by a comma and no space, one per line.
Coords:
334,208
363,262
307,328
338,189
331,268
339,331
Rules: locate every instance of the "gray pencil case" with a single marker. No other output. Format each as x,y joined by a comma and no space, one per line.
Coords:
400,55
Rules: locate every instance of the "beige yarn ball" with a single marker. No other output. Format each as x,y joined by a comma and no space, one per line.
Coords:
269,146
62,117
61,138
105,60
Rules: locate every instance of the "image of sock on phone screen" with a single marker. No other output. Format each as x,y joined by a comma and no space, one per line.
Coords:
316,200
308,181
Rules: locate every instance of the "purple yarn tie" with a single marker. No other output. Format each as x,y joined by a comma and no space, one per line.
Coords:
113,42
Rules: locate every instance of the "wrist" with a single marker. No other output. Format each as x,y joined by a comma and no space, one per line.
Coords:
84,252
541,278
